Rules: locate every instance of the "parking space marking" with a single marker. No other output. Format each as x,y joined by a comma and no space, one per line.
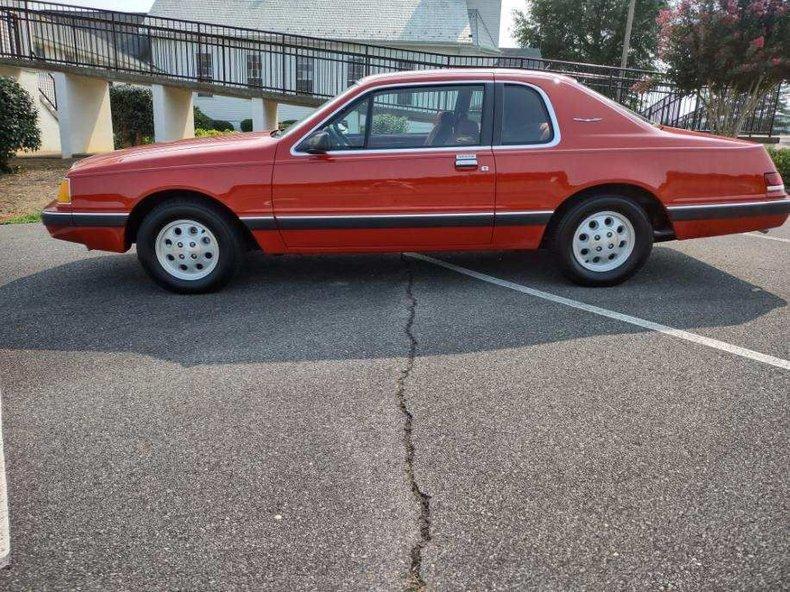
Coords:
5,534
645,324
765,236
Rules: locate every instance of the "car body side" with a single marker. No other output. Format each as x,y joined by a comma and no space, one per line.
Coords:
691,184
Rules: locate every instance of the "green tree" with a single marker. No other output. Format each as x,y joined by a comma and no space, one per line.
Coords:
731,52
132,114
18,122
589,30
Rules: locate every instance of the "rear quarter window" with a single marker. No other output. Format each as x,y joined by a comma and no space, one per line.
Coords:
525,118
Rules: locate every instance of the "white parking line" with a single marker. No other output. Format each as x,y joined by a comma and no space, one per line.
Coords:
645,324
5,534
765,236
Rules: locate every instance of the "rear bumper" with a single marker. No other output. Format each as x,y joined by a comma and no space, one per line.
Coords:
767,207
695,221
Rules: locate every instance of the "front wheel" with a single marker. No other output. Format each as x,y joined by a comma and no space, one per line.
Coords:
603,240
188,247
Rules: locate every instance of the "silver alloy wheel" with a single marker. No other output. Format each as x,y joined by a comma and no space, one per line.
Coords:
187,250
603,241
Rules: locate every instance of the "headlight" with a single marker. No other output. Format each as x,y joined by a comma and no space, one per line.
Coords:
64,192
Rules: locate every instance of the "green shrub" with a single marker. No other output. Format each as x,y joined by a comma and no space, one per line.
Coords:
284,125
211,133
132,115
781,158
202,121
385,123
246,125
222,125
18,122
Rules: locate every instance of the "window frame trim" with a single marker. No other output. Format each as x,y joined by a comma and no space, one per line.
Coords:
486,124
499,94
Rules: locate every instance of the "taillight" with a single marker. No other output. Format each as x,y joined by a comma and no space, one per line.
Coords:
774,183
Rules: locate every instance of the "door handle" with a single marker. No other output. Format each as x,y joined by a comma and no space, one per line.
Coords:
466,161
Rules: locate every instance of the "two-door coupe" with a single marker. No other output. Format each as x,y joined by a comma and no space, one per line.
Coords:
431,160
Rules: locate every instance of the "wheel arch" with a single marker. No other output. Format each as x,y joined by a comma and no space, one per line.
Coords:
656,211
149,202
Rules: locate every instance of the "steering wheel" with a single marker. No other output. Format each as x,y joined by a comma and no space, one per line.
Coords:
338,139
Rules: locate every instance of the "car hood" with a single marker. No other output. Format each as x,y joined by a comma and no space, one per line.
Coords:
230,148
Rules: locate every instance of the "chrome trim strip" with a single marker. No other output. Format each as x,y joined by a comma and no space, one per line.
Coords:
103,219
321,222
524,218
549,107
411,220
373,89
259,222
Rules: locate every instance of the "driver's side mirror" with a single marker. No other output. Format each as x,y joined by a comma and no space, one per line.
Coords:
318,143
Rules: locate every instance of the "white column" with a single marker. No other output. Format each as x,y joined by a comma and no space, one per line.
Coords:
83,114
174,116
264,115
47,122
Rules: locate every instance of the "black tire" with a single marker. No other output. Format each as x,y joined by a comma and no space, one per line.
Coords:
212,218
562,242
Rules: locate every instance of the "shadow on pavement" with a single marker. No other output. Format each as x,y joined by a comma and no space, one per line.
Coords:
343,307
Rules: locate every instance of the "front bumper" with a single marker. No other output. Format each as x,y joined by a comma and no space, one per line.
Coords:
102,231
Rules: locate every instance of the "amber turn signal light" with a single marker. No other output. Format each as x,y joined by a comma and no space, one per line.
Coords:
64,192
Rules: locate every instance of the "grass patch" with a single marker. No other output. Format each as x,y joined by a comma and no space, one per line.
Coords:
22,219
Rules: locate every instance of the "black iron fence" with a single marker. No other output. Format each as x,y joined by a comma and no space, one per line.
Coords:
305,69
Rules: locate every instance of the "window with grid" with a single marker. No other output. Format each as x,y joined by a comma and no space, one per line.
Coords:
356,70
204,62
304,74
254,70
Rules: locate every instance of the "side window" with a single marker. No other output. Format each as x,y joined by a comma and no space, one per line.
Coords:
525,119
346,130
421,117
413,117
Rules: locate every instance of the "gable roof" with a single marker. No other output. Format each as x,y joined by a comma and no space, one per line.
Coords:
406,21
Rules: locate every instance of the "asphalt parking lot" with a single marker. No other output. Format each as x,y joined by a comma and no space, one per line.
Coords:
383,423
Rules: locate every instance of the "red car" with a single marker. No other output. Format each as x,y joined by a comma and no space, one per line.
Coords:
433,160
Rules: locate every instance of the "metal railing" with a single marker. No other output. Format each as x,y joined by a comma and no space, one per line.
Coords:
292,67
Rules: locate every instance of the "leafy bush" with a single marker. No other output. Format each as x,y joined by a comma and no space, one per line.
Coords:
223,126
385,123
211,133
202,121
284,125
132,115
781,158
246,125
18,118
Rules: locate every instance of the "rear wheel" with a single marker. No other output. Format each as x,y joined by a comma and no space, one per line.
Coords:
603,240
188,246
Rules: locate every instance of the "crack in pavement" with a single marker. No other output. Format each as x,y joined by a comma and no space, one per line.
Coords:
415,582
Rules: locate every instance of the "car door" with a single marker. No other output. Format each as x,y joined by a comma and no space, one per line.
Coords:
399,167
532,175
